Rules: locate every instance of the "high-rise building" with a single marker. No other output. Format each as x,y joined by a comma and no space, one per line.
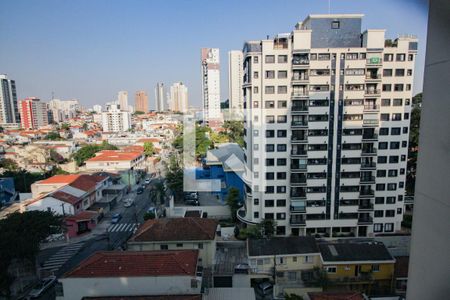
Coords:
235,77
160,103
63,110
210,84
33,113
122,99
178,97
326,128
9,112
97,108
115,120
141,101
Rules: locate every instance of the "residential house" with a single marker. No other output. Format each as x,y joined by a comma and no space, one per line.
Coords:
178,233
358,266
291,263
133,273
80,223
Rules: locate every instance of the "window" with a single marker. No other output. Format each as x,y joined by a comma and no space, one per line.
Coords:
256,201
256,215
392,186
281,133
281,216
270,162
397,102
255,104
270,189
282,89
378,214
375,268
179,245
281,161
281,148
382,145
399,72
282,74
282,119
268,216
395,131
398,87
380,187
384,117
387,72
255,59
270,119
389,57
390,200
269,104
405,130
200,245
393,159
394,145
410,57
406,116
270,147
389,227
281,203
281,189
335,25
330,269
392,173
382,159
381,173
270,175
270,134
270,59
282,104
378,227
400,57
164,247
255,90
270,74
268,203
270,89
385,102
255,75
390,213
294,259
379,200
384,131
282,59
387,87
399,211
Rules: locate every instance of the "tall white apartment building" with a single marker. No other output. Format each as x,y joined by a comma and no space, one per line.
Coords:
326,128
115,120
160,104
178,97
122,99
235,76
9,112
210,84
62,110
97,108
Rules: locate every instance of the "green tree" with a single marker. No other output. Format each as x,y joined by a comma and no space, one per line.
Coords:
65,126
53,136
202,142
23,179
232,201
149,216
174,177
9,164
267,227
138,112
160,192
149,148
86,152
20,236
107,146
235,131
85,126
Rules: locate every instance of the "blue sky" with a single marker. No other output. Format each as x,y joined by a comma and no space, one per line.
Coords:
90,49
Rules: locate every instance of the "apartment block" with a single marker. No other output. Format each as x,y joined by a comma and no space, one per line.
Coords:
33,113
210,84
9,112
178,97
160,102
327,112
116,120
141,101
235,75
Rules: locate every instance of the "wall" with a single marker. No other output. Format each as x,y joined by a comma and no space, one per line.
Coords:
288,262
54,204
77,288
386,271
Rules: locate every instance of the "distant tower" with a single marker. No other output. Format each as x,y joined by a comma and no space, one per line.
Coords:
9,112
141,101
178,97
122,98
235,73
160,104
33,113
210,84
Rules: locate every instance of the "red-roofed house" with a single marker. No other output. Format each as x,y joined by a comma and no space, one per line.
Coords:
132,273
80,223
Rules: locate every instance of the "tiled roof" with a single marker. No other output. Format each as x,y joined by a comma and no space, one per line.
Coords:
59,179
65,197
115,155
87,182
176,229
335,296
165,297
282,245
137,264
152,140
84,215
354,251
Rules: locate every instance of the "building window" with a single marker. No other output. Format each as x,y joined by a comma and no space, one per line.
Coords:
255,59
390,213
282,119
385,102
282,59
270,119
179,245
281,161
270,74
270,59
378,227
294,259
281,216
255,75
281,175
281,148
270,175
384,117
270,162
375,268
378,214
281,203
389,227
281,189
255,90
282,104
270,147
269,104
335,25
387,72
256,215
200,245
330,269
268,203
164,247
282,74
379,200
256,201
282,89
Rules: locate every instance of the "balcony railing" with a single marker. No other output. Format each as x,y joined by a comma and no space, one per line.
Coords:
298,180
373,136
365,220
298,167
298,209
299,108
372,92
299,94
371,107
295,221
365,206
299,138
348,216
373,76
370,151
366,193
299,123
298,152
367,179
370,122
374,61
300,78
371,165
298,195
318,203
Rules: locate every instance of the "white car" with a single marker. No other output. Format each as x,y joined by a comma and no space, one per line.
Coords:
41,287
128,202
147,181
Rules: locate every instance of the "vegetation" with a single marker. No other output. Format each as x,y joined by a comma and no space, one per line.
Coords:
174,177
65,126
413,144
88,151
232,201
9,164
202,141
20,236
235,131
407,221
138,112
53,136
149,148
149,216
265,229
56,157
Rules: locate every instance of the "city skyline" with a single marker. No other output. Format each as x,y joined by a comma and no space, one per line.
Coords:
60,44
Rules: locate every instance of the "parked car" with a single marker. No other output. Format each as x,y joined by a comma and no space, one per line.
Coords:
266,288
193,202
41,287
116,218
128,202
191,195
140,190
147,181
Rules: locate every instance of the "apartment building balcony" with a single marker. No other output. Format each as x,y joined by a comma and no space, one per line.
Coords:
367,179
298,194
297,207
300,60
299,79
370,137
369,152
370,122
368,108
353,202
368,166
365,220
299,152
299,139
301,123
298,167
365,207
298,220
348,216
372,92
315,203
299,109
366,193
298,179
299,94
374,61
315,217
373,77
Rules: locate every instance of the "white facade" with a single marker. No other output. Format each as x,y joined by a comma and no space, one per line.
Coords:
122,99
210,61
8,101
235,76
326,128
97,108
160,104
62,110
116,120
178,97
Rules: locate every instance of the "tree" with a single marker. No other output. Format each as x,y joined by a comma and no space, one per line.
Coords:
267,227
107,146
149,216
20,236
23,179
232,201
235,131
160,192
202,142
138,112
65,126
149,148
174,177
88,151
9,164
85,126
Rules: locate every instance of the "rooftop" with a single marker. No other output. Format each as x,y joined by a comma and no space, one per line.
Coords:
176,229
115,155
137,264
165,297
282,246
365,251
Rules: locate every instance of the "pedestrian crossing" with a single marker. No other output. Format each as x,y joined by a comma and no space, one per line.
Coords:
57,260
123,227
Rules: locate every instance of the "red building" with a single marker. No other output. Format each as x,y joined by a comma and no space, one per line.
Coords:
33,113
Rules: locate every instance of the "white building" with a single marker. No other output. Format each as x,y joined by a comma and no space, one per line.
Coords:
178,97
210,84
326,128
235,77
33,113
122,100
134,273
62,110
9,112
97,108
160,104
116,120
